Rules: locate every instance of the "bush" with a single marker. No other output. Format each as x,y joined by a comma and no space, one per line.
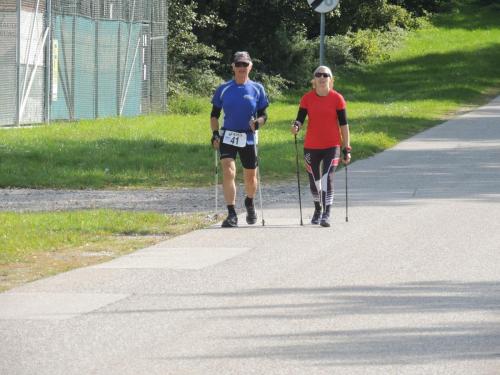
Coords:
202,83
363,46
381,15
422,7
274,85
295,61
338,51
369,46
184,104
490,3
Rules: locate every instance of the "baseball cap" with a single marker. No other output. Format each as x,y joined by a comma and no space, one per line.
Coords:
243,56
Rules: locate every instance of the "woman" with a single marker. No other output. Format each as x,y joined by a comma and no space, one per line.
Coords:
244,103
327,130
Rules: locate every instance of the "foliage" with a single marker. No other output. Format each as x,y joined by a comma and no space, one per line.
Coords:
362,46
377,14
202,82
189,61
367,46
281,36
184,104
421,7
275,85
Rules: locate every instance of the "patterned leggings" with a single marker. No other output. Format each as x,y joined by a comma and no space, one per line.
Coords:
321,165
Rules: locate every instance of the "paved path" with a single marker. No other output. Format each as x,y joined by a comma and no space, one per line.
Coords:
410,285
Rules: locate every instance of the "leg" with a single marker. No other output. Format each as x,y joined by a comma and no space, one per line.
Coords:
312,160
228,156
228,184
330,162
249,161
250,177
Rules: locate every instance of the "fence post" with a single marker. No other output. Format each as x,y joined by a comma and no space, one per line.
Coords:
97,14
164,77
118,68
18,63
48,62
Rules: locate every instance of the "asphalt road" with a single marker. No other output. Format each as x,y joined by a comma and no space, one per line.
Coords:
409,285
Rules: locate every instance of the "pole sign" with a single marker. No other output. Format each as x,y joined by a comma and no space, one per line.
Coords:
55,68
323,6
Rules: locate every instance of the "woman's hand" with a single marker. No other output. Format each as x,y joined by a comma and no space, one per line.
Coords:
346,152
294,129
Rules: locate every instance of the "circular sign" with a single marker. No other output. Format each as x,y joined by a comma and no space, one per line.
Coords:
323,6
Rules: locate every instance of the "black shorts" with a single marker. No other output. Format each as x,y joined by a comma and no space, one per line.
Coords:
247,154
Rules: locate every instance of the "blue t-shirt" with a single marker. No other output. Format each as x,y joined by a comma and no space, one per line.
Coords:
240,103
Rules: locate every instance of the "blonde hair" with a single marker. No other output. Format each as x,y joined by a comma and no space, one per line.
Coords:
328,70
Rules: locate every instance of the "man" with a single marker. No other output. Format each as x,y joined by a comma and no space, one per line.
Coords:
244,103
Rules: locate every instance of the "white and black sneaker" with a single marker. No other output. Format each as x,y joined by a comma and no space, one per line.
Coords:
231,221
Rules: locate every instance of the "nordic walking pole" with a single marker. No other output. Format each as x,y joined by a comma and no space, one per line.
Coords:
298,177
216,181
346,196
255,142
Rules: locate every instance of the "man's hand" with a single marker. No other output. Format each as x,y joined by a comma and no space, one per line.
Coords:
215,139
254,124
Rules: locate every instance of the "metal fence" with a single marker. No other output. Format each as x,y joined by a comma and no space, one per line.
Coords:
80,59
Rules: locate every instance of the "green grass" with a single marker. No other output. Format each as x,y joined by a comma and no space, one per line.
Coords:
447,66
34,245
51,231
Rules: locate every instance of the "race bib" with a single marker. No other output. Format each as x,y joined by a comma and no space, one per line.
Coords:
234,138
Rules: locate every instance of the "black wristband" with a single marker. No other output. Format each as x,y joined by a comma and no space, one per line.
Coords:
256,124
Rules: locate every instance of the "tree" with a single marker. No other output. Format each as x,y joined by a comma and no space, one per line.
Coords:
190,61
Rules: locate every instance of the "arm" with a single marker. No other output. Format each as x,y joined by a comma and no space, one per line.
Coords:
261,119
299,121
262,104
214,125
345,134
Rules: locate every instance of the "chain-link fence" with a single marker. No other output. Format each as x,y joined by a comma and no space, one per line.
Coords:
76,59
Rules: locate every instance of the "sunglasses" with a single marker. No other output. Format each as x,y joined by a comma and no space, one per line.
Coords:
324,75
241,64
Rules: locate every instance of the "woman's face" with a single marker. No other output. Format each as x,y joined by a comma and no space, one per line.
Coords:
322,78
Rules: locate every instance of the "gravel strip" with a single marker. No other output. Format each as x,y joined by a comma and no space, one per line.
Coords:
161,200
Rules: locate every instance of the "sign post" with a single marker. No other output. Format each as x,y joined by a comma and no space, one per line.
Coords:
322,6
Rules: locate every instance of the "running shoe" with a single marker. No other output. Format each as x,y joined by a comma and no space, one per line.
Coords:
251,214
316,217
231,221
325,219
